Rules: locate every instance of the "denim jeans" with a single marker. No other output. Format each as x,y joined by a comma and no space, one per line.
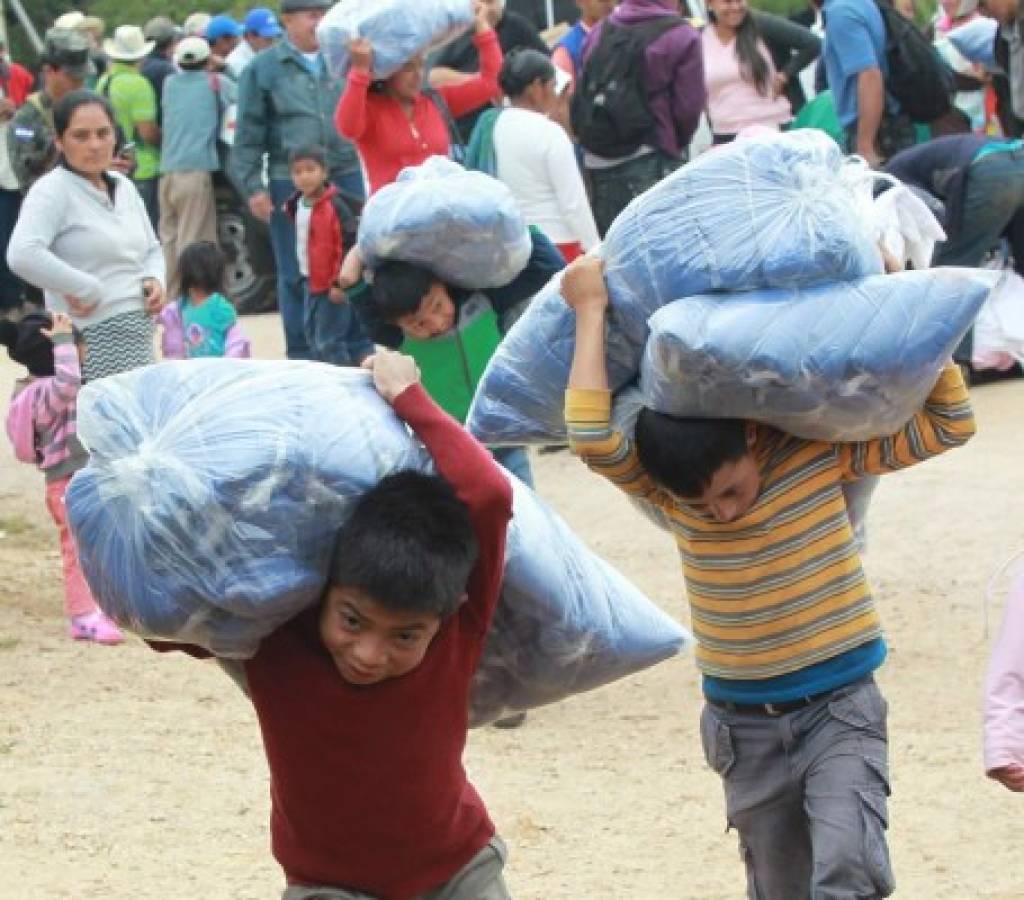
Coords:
334,333
12,289
611,189
993,206
290,294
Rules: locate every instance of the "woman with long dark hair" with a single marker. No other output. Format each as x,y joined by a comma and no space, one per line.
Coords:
752,63
84,238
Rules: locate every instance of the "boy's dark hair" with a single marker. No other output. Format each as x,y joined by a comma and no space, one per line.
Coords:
398,289
409,545
201,265
684,454
312,152
27,345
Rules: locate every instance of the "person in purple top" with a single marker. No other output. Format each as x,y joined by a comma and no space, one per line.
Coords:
673,78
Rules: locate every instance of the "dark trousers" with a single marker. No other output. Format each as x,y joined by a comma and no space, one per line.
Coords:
149,190
12,288
993,206
611,189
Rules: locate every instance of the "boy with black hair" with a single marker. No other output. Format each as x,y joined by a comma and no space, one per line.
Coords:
326,222
787,632
363,703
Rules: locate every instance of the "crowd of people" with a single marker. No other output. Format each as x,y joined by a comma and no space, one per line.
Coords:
108,234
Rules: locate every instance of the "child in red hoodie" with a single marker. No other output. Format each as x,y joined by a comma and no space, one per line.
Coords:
325,227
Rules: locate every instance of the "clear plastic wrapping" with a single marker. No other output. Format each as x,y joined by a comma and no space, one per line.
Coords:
771,211
839,362
465,227
208,511
397,29
976,41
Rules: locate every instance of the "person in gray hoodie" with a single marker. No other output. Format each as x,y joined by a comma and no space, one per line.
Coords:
673,78
84,238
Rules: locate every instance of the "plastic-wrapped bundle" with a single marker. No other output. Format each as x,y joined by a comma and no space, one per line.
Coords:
397,29
466,227
834,362
208,511
771,211
976,41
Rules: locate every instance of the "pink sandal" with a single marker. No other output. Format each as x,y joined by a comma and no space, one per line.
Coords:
95,627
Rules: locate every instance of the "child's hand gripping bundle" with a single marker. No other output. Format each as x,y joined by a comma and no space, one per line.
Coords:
397,29
465,227
215,490
749,284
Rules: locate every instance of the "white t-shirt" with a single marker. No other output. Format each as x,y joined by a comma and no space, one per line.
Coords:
239,58
303,213
536,160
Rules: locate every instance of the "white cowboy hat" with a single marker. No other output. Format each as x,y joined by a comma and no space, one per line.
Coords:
128,44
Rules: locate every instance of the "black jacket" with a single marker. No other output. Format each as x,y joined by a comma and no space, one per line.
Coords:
792,48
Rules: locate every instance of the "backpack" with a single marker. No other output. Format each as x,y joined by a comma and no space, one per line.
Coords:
610,113
921,82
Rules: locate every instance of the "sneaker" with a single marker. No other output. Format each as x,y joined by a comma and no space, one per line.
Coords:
96,627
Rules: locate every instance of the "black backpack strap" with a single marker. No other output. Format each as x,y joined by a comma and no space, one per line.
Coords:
454,136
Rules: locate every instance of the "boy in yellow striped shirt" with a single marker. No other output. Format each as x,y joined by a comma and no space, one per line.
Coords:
787,631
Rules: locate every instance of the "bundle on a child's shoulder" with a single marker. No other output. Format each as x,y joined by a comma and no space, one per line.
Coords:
397,29
209,509
465,227
767,212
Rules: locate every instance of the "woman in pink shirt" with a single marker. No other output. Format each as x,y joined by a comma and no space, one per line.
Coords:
393,123
749,62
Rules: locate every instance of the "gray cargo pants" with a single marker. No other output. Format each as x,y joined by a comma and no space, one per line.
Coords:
806,791
479,879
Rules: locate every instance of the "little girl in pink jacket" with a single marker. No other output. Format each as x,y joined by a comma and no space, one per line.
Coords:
1004,696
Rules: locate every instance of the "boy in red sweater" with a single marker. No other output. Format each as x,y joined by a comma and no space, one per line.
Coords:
364,702
325,225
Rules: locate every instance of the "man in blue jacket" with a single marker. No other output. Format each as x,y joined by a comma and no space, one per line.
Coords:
286,99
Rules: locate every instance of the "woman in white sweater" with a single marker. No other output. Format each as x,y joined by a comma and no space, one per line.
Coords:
536,159
84,238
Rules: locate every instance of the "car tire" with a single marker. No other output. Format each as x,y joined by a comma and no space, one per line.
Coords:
250,277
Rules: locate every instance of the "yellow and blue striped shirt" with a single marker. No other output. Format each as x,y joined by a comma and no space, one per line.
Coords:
780,589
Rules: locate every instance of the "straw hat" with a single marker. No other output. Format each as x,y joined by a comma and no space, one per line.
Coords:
73,19
128,44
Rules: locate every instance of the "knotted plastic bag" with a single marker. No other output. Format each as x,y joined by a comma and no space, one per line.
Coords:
465,227
215,489
397,29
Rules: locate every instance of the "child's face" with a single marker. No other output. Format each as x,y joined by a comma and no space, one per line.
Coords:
308,176
734,487
433,317
370,643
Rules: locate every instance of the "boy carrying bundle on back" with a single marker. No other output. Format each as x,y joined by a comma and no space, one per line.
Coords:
787,632
363,703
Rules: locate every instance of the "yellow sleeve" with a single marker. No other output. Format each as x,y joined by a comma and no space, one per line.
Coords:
945,421
605,450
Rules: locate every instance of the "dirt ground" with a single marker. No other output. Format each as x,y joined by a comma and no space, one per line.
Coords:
127,775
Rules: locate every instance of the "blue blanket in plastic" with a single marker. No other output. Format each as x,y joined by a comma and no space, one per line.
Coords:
397,29
766,212
465,227
838,362
215,488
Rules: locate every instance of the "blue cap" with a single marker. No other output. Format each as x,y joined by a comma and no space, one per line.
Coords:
222,26
261,22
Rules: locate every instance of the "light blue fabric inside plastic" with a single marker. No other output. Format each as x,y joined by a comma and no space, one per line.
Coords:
215,489
976,41
766,212
397,29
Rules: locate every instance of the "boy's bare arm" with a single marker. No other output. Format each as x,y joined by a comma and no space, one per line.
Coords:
585,292
945,421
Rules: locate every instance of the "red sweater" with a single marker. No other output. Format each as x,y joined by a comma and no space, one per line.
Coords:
388,140
18,84
367,785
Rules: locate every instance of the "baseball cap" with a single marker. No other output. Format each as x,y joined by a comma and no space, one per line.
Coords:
68,49
222,26
191,50
160,29
195,24
261,22
290,6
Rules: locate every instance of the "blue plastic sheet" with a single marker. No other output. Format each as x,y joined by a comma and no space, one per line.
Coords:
976,41
773,211
397,29
208,512
835,362
465,227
